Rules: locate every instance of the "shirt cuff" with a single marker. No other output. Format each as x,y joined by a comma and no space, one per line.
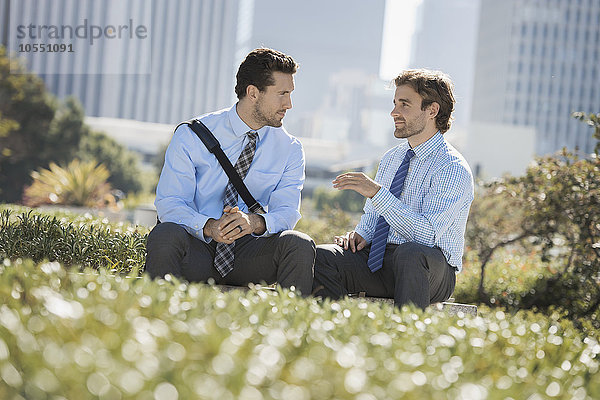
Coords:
197,230
268,223
383,201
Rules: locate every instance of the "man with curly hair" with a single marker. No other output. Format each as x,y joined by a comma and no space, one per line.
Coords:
409,242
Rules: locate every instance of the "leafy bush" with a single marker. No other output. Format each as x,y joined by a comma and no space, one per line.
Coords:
78,184
88,244
511,276
122,164
26,111
36,129
346,200
87,336
553,212
325,224
92,242
72,138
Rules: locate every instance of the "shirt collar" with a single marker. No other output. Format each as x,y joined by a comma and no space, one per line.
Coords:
425,149
239,127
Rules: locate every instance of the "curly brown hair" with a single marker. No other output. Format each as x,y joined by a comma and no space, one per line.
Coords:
433,87
257,69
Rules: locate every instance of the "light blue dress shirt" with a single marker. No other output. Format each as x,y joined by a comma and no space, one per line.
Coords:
434,204
192,183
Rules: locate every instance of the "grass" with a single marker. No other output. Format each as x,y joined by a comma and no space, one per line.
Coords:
79,336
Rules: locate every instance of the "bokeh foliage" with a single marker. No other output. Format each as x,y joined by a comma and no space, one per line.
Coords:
100,336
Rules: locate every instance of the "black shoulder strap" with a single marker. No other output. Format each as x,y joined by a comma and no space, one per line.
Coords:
213,145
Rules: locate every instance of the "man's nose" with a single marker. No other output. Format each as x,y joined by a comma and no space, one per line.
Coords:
288,102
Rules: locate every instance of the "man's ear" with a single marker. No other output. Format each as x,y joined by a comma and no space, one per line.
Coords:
252,92
434,109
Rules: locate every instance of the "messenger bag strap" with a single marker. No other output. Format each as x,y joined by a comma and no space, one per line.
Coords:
213,145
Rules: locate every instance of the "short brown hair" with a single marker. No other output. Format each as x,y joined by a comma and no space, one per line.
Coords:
433,87
257,69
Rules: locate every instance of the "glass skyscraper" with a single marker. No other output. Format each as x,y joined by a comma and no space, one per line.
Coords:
537,62
195,48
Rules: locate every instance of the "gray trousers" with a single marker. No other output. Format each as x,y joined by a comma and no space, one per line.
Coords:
286,258
411,273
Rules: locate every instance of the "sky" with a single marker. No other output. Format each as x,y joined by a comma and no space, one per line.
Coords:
399,25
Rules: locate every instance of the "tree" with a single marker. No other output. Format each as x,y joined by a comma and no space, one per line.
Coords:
554,208
71,138
122,164
36,129
26,111
496,220
66,132
592,120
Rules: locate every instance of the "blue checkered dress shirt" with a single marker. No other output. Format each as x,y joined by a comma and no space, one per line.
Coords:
434,204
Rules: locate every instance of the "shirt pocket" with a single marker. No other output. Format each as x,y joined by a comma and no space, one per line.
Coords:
261,184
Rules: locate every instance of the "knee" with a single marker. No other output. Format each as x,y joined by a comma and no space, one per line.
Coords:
408,254
167,233
325,252
298,241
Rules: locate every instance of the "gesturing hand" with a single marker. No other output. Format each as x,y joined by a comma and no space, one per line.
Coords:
358,182
352,239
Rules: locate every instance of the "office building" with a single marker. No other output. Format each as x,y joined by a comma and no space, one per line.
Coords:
537,62
189,68
445,39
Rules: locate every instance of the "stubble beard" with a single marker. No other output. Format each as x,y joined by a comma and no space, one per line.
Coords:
264,119
410,129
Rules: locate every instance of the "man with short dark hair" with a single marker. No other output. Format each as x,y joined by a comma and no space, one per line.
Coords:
409,242
207,231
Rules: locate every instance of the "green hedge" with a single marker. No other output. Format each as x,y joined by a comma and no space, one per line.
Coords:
98,336
91,242
71,240
84,241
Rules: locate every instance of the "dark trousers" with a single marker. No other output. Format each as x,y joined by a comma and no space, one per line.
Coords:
286,258
411,273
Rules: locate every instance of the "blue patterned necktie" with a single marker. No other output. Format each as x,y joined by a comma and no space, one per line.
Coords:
224,254
382,228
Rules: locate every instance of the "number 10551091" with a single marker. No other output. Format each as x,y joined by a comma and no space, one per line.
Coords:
45,48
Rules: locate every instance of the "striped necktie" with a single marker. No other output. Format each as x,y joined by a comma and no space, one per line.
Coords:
382,228
224,255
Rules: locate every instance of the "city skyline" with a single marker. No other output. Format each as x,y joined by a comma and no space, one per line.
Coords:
347,62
